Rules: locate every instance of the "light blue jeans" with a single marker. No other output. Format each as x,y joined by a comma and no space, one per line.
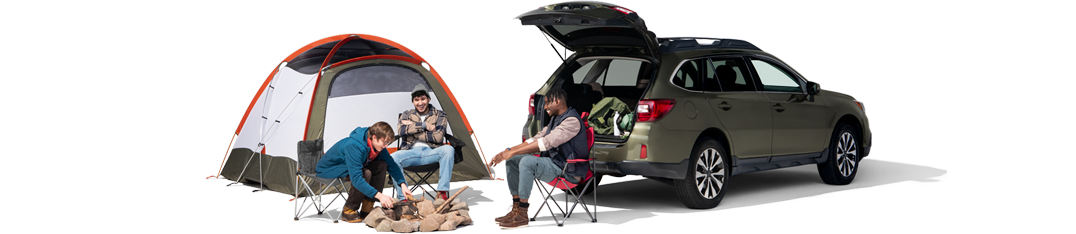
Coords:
422,155
524,168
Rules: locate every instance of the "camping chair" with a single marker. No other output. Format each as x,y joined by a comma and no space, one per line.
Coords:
588,182
424,172
310,153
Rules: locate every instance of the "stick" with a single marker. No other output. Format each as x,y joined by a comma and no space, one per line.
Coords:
446,204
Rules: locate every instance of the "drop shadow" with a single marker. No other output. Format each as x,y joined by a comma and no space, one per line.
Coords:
643,198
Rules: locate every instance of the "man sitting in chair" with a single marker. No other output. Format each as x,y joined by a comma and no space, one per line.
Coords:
563,139
361,158
423,133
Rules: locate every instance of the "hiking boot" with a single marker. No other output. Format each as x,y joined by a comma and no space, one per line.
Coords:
443,195
350,216
515,206
517,220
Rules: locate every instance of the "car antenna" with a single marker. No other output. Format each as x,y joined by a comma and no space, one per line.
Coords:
562,59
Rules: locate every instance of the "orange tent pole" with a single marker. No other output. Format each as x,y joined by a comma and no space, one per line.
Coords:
225,157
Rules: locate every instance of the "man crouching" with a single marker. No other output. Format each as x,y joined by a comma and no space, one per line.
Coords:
361,158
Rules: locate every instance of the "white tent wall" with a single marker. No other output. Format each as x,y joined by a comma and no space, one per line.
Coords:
287,106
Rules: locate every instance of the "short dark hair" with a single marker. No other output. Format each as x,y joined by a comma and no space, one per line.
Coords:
381,130
415,94
556,94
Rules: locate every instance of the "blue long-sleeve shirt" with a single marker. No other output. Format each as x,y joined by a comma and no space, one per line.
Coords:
347,158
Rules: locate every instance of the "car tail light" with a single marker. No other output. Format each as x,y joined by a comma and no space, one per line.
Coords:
860,104
650,110
530,105
642,155
622,10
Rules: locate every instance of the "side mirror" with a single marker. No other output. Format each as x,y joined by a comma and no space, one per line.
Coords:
813,88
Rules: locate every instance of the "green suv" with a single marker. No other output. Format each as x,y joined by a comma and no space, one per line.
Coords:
692,111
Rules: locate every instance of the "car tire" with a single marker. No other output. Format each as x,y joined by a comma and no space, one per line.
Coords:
579,189
707,178
842,163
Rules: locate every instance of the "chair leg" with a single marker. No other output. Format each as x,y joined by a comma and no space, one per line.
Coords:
422,180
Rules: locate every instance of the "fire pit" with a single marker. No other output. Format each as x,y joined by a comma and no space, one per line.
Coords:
421,215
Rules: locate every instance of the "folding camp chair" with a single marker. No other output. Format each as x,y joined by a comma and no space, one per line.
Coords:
310,153
561,182
424,172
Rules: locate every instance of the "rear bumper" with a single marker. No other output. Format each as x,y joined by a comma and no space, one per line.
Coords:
647,169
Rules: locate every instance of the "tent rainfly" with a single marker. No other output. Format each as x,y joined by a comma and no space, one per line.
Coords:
326,89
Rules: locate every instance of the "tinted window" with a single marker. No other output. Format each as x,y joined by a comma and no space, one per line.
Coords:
774,78
689,76
728,74
621,73
609,72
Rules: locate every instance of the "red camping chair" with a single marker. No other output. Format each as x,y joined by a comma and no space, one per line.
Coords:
562,183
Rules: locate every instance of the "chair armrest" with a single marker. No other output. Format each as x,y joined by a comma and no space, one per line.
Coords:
454,142
579,160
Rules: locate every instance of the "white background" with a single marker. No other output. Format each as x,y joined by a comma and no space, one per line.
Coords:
115,112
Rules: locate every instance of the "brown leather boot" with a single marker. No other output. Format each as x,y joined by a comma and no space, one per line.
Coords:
517,220
367,206
515,206
350,216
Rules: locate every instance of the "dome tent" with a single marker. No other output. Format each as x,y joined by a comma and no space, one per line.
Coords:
325,90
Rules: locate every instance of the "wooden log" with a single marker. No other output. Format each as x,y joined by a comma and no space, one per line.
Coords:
449,201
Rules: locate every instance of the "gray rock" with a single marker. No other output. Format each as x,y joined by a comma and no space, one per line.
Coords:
436,218
459,206
425,208
415,225
402,226
429,225
437,203
448,225
466,214
375,217
384,226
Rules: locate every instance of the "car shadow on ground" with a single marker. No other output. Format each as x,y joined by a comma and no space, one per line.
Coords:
643,198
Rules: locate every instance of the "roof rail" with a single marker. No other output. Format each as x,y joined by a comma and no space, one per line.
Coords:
674,44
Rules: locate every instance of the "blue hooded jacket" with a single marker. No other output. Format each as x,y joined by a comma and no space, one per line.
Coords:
349,155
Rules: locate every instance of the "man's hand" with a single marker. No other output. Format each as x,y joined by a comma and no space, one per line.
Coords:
407,122
406,192
503,155
430,127
385,200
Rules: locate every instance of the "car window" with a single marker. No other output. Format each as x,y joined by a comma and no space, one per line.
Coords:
578,75
621,73
728,75
689,75
774,78
609,72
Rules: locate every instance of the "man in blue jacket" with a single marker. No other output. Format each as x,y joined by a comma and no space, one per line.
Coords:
362,159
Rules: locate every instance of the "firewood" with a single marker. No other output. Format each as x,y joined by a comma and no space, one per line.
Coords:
449,201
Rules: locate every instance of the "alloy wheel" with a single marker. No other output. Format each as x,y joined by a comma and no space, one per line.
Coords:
846,154
709,173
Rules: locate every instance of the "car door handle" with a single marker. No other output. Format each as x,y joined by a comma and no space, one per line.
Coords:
778,107
724,106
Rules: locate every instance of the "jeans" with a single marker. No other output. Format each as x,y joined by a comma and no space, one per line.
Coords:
524,168
421,155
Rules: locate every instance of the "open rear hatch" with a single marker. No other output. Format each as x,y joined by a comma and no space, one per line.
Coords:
586,26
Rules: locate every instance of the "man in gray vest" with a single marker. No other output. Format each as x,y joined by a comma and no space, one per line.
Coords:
564,138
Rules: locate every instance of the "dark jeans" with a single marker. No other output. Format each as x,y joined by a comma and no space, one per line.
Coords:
374,173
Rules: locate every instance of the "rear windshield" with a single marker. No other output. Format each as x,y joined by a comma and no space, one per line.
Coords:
608,88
